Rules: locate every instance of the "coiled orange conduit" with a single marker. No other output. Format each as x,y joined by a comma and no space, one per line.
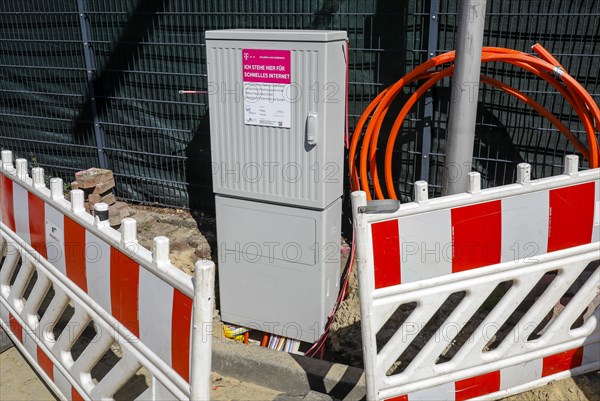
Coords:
546,67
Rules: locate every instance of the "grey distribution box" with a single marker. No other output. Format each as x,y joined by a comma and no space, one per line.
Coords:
279,266
277,108
277,104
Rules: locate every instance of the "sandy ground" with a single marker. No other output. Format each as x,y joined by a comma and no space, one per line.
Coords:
19,382
344,345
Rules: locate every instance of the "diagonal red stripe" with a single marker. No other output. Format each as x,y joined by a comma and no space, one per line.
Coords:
75,396
386,253
15,327
45,363
124,290
180,337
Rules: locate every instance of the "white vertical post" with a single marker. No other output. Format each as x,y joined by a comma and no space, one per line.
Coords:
77,201
571,164
523,173
56,188
7,159
160,250
465,91
474,182
128,231
421,191
37,173
359,199
204,287
21,165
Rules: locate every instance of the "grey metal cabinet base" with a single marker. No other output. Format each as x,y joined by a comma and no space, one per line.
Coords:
279,266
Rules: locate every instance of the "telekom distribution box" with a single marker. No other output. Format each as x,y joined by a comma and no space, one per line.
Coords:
277,101
277,104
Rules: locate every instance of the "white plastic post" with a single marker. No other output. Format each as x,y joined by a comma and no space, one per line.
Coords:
7,160
128,231
21,165
77,199
421,191
37,173
523,173
474,182
56,188
359,199
571,164
160,250
204,279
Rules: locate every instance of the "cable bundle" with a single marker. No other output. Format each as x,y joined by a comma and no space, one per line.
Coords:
545,67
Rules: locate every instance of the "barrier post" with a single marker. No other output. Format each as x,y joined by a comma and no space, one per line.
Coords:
359,200
204,278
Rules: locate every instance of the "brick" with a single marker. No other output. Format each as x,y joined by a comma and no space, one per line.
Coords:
109,198
92,177
93,198
104,187
117,212
120,206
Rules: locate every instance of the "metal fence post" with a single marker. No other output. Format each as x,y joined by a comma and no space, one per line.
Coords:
432,43
90,67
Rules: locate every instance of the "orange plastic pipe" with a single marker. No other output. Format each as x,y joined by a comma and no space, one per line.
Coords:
573,92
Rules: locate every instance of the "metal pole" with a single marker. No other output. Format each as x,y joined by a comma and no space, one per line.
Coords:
204,288
432,44
465,91
90,66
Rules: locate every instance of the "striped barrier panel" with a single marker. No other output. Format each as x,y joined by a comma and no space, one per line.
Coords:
483,294
73,290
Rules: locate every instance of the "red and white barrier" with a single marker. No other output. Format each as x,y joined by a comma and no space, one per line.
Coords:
473,244
137,294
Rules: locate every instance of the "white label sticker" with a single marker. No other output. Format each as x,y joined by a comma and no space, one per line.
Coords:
267,87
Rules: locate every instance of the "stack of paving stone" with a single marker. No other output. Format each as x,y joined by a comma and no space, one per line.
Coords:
98,184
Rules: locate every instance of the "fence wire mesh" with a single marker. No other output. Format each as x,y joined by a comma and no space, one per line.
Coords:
85,81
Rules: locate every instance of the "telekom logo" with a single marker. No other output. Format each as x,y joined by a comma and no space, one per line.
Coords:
246,56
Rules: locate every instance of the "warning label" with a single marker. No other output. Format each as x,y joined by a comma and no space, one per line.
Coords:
267,85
